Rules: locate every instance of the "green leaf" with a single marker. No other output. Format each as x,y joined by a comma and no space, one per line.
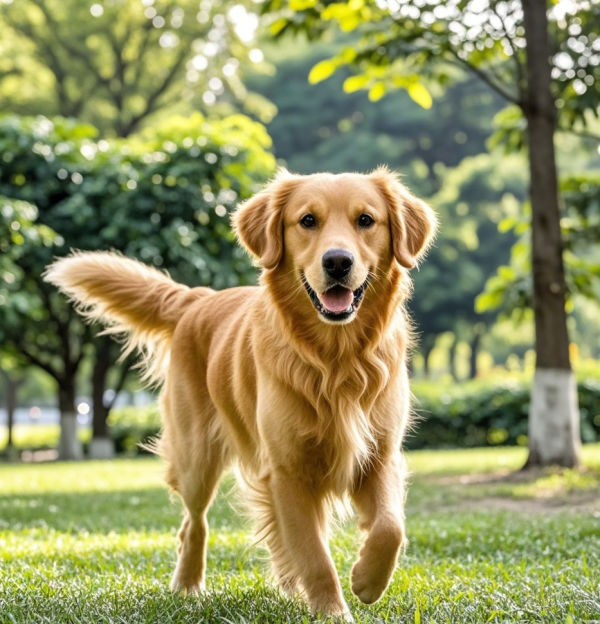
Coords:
354,83
321,71
507,224
487,301
377,91
302,5
278,25
420,95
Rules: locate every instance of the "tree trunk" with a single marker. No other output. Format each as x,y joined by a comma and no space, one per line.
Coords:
452,359
426,350
475,343
554,436
102,447
12,386
69,446
11,406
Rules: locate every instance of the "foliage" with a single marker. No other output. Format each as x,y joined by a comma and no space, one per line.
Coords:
511,288
163,196
18,233
39,437
403,43
489,414
95,542
131,427
126,61
344,132
474,197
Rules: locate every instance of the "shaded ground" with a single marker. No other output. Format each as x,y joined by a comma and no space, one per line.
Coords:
94,542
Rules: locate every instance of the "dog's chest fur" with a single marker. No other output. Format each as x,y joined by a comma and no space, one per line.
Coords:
347,417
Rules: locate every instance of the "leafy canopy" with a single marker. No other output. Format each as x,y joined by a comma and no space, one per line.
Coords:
115,64
163,197
403,44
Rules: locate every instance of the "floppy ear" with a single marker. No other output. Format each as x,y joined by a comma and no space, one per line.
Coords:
413,223
258,222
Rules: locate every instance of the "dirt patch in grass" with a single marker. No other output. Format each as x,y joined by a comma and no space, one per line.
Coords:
587,503
537,491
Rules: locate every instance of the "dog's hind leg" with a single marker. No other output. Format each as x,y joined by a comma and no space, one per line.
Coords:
196,473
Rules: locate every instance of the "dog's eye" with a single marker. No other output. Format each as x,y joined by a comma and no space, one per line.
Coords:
365,221
308,221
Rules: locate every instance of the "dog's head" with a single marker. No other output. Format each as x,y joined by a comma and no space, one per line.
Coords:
333,233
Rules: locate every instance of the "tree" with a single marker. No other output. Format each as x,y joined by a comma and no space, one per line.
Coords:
163,197
543,61
471,203
124,62
511,288
18,235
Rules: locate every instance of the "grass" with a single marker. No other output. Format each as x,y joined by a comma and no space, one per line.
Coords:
94,542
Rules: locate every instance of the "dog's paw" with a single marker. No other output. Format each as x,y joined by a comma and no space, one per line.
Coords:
368,580
372,572
186,587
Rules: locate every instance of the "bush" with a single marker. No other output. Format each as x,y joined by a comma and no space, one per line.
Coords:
466,415
130,427
481,414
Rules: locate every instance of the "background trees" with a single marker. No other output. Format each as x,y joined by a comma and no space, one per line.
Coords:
446,73
163,197
125,62
507,45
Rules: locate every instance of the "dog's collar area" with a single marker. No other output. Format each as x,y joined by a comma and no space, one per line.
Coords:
328,314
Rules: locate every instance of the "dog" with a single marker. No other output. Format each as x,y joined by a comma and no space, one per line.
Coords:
301,381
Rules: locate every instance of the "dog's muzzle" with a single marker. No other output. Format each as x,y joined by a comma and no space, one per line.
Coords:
337,303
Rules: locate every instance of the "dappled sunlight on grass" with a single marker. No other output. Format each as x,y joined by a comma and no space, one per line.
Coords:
558,483
467,461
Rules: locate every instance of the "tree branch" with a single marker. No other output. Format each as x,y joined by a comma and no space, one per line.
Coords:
584,134
74,51
36,361
153,98
148,30
486,79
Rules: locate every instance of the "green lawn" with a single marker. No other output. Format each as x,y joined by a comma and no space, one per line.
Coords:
94,542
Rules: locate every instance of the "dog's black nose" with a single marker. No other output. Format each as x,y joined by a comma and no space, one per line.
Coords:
337,262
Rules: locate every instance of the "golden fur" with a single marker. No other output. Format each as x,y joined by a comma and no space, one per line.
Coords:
311,410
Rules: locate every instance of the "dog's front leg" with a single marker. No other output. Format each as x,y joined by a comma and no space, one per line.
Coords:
302,519
379,499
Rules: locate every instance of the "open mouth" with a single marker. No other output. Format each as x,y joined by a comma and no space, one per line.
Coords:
337,303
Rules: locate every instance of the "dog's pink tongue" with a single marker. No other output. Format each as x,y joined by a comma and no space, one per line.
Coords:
337,299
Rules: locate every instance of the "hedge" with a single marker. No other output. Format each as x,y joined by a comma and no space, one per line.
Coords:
462,416
489,416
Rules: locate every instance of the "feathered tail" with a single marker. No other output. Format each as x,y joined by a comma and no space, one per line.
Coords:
130,298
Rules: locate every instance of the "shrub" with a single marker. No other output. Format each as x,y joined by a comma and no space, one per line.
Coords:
130,427
460,416
481,414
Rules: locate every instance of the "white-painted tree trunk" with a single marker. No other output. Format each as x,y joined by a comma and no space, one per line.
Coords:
69,446
102,448
554,436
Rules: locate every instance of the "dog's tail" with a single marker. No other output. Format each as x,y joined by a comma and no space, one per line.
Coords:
131,298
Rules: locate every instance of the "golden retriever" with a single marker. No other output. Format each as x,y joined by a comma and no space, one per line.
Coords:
302,380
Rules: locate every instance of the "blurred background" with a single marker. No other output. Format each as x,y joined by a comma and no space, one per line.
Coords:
137,125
